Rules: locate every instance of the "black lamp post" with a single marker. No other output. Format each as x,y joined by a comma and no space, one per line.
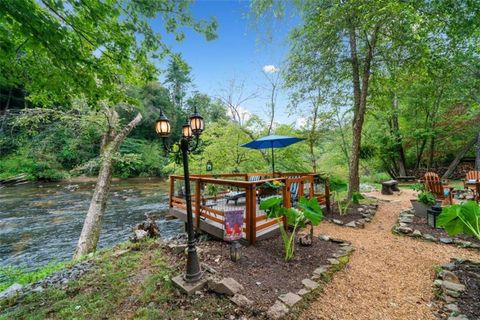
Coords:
190,131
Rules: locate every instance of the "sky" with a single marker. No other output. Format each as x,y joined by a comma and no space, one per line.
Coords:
240,52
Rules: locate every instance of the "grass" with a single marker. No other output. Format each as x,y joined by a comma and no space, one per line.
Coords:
10,275
135,285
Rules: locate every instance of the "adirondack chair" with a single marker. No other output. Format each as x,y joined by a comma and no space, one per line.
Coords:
472,181
434,184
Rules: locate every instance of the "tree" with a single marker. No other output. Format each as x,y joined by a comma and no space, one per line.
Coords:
178,79
61,50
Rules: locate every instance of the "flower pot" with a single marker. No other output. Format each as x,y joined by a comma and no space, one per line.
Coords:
419,208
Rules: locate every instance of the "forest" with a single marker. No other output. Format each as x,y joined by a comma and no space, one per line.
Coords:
391,97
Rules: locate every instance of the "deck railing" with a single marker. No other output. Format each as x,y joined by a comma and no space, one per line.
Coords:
213,195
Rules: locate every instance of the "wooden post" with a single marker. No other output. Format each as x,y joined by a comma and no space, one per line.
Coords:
172,190
253,214
286,201
198,188
248,214
301,192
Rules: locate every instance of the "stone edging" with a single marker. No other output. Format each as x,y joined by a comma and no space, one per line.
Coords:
368,214
448,288
402,227
285,302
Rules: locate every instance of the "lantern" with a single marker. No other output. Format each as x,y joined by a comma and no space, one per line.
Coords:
432,215
162,126
209,165
235,251
186,131
196,123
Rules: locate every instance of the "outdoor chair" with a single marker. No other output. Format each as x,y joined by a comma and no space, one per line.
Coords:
472,182
434,184
294,189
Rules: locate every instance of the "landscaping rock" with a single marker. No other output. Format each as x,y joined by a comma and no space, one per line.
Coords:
277,311
416,233
290,298
324,237
449,276
227,286
241,301
337,221
458,317
429,237
309,284
446,240
351,224
302,292
438,283
320,270
177,248
405,230
11,291
453,286
452,307
333,261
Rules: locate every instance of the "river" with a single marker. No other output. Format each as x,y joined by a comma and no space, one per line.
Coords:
41,222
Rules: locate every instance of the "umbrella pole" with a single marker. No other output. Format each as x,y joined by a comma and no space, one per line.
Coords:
273,163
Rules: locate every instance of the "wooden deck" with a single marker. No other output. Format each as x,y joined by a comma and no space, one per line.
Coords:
209,210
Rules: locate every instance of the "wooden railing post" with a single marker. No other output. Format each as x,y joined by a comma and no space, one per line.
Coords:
286,200
301,191
198,189
253,215
248,214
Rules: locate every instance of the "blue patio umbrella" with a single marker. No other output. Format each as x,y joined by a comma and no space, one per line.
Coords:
272,141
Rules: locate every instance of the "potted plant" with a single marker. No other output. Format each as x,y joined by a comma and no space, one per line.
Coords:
270,188
424,200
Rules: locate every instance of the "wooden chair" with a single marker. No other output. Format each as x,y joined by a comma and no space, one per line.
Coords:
434,184
472,181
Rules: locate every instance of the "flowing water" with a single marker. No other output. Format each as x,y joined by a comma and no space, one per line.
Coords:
41,222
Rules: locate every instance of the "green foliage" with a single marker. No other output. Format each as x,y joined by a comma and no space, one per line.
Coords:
419,187
212,190
356,197
426,198
272,185
309,211
461,219
10,275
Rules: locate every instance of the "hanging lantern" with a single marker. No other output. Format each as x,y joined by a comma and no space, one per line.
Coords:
209,165
162,126
235,251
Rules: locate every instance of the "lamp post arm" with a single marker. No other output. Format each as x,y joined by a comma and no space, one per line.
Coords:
194,147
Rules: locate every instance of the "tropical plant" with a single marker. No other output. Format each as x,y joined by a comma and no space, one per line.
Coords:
426,198
461,219
309,211
356,197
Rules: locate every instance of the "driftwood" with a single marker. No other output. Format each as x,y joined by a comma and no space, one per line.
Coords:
146,229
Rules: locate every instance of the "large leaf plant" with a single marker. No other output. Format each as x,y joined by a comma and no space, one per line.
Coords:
461,219
309,211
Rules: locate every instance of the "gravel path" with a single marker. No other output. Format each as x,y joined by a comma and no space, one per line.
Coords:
388,276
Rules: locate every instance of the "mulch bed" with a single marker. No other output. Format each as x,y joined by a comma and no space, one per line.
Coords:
262,270
422,225
351,215
469,301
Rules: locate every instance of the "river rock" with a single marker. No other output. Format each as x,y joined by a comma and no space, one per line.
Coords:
351,224
11,291
447,285
339,222
446,240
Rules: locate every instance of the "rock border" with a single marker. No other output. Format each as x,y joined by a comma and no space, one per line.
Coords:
286,303
448,288
370,211
402,227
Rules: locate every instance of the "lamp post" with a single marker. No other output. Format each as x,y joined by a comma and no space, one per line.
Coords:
191,131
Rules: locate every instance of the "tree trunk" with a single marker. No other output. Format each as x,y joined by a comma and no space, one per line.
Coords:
360,106
477,157
400,159
459,156
111,141
432,152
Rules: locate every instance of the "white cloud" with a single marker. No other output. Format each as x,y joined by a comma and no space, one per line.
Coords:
270,68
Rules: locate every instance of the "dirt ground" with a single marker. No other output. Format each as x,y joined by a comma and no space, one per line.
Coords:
388,276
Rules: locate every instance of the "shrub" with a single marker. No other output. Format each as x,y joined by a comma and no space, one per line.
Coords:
426,198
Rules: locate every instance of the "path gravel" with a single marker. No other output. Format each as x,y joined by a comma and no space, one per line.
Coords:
388,276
